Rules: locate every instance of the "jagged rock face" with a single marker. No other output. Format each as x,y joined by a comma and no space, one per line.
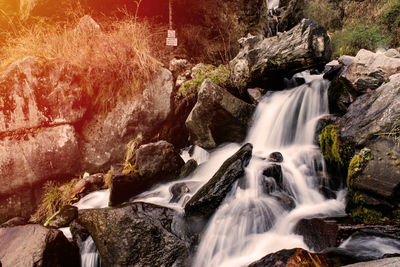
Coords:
372,114
105,137
35,245
48,133
374,183
218,117
155,163
137,234
369,70
264,61
210,196
36,93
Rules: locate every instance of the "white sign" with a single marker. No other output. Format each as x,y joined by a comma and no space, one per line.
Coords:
172,41
171,34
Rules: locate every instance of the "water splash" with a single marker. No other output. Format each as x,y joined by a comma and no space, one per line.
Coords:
252,222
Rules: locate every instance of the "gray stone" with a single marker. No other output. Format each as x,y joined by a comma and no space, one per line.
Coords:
34,245
369,70
104,137
208,198
372,114
36,93
218,117
262,61
137,234
37,157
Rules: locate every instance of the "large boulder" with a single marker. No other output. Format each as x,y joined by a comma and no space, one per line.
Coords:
292,257
292,15
137,234
208,198
154,163
369,70
373,114
34,245
318,234
37,93
374,182
105,137
265,61
27,163
218,117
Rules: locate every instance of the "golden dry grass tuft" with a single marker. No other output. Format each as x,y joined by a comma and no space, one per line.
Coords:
113,62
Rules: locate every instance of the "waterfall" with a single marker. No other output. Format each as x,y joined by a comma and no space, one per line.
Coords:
252,223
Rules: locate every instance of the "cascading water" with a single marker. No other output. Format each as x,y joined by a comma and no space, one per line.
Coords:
252,222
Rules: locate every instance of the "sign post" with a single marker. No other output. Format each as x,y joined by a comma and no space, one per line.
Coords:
171,37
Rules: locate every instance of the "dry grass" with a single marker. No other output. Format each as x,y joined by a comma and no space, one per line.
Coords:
54,198
113,62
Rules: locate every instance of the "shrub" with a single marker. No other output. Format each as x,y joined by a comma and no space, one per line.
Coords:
326,13
391,21
358,36
112,64
54,198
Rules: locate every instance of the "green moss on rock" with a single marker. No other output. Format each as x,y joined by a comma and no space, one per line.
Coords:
365,215
357,163
218,75
331,145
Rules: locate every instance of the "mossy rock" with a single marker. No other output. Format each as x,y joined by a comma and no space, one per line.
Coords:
331,145
218,75
357,163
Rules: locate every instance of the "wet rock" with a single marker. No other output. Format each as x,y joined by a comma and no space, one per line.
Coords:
292,15
333,72
16,221
104,137
262,62
137,234
341,94
369,70
321,124
187,169
79,232
210,196
274,171
375,181
292,257
275,157
63,218
177,191
218,117
327,192
255,94
87,185
158,159
372,114
284,199
35,245
318,234
155,163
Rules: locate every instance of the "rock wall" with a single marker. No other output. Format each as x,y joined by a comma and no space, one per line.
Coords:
48,132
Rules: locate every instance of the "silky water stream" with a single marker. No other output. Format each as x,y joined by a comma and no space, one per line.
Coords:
259,215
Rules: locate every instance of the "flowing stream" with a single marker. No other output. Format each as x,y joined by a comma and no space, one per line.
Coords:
259,215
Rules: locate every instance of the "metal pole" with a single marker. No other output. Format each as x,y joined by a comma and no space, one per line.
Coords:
170,14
